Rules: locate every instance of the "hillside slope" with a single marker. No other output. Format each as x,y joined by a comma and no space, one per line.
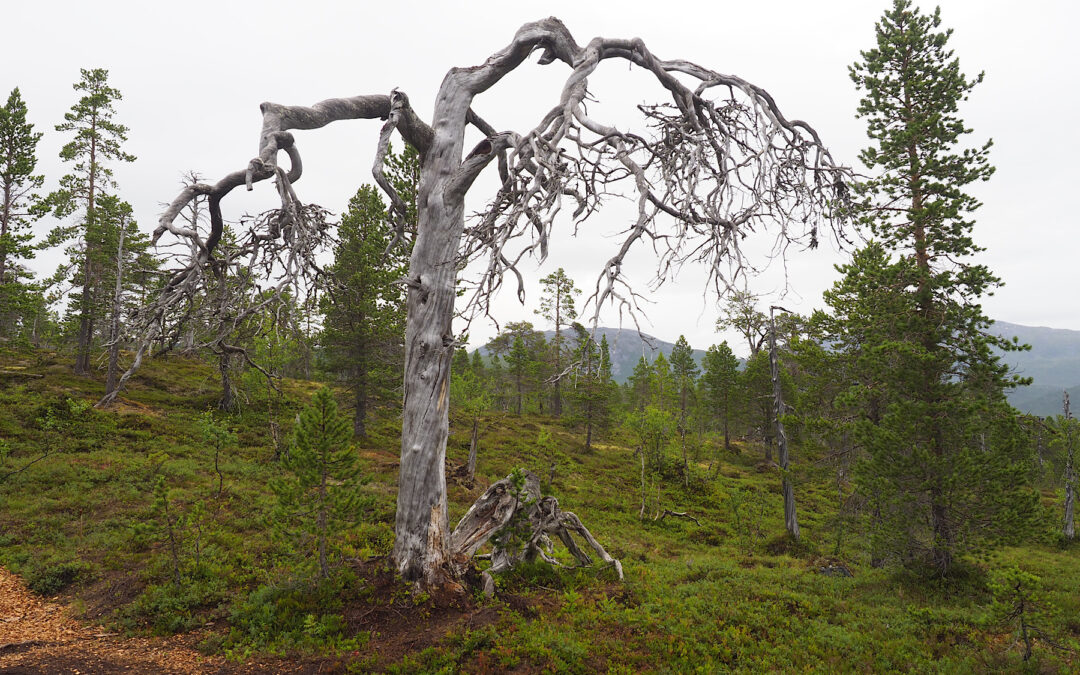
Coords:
726,592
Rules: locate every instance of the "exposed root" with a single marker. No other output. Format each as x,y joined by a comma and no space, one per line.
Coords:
521,524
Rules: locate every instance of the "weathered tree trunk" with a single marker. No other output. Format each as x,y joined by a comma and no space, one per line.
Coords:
421,529
474,444
227,402
791,521
114,330
641,452
1068,530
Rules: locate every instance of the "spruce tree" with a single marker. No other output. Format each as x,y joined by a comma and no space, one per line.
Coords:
18,159
943,448
98,139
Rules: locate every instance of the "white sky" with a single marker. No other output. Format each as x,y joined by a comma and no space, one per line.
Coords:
193,74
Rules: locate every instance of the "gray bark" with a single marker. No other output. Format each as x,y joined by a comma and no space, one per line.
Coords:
114,330
474,443
227,402
791,520
1068,530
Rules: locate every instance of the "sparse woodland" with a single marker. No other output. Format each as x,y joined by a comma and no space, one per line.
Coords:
267,436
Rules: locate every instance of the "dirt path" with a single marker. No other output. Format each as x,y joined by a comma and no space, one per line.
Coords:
37,636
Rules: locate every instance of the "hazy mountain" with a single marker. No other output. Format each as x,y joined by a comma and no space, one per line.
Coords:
1053,362
626,347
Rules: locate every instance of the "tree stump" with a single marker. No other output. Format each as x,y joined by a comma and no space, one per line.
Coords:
521,522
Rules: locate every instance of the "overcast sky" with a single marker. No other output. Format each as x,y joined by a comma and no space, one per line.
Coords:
193,74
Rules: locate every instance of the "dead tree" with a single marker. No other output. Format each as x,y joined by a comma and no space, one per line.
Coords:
1068,530
714,162
791,520
117,304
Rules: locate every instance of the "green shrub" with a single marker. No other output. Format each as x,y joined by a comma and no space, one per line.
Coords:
174,608
281,617
53,576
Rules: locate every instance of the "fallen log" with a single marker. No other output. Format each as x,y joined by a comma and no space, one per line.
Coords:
676,514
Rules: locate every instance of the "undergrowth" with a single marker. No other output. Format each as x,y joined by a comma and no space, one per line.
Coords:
83,517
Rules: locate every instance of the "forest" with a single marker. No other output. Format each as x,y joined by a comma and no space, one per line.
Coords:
264,444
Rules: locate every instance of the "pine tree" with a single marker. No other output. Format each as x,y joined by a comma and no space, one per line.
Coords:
97,140
322,496
662,390
468,394
1066,439
557,306
592,386
364,328
18,159
518,364
756,383
741,314
639,384
719,379
684,371
522,349
477,365
945,448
